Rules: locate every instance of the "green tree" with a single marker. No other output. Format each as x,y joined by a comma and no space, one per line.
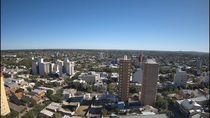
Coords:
134,89
29,114
161,103
57,115
49,93
111,88
104,112
19,90
26,100
57,97
12,114
29,89
37,108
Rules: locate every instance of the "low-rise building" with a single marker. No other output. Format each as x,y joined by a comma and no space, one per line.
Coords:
46,113
39,92
189,107
205,77
180,78
90,77
68,93
114,76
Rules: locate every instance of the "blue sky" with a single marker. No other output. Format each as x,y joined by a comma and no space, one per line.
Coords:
173,25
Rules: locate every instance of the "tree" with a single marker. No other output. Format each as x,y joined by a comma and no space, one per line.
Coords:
37,108
26,100
12,114
57,97
111,88
170,114
29,114
104,112
57,115
49,93
161,103
19,90
26,62
134,89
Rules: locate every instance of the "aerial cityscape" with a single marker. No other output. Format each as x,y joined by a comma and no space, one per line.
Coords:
105,59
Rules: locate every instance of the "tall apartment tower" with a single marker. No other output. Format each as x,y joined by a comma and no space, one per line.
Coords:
44,68
199,65
35,68
67,66
149,83
60,64
40,65
124,78
4,102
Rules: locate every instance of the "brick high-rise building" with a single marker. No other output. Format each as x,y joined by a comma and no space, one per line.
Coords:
4,102
149,83
124,78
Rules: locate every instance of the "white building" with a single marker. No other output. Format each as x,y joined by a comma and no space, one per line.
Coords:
59,63
34,68
59,67
72,68
52,67
55,68
68,93
180,78
91,77
41,60
44,68
115,76
40,65
68,66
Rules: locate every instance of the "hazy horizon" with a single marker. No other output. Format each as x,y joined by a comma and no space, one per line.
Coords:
103,49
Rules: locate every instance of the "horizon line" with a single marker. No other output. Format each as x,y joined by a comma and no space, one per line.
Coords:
103,49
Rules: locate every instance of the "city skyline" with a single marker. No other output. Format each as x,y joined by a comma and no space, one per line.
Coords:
136,25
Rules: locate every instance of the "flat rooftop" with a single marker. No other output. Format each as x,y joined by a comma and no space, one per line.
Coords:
146,116
151,61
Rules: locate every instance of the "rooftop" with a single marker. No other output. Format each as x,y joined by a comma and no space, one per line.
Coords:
146,116
17,108
47,113
151,61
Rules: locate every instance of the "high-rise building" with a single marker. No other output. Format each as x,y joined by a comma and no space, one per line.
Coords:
59,67
72,68
35,68
59,63
180,78
4,102
149,83
44,68
40,61
124,78
141,57
55,68
66,65
52,67
199,65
